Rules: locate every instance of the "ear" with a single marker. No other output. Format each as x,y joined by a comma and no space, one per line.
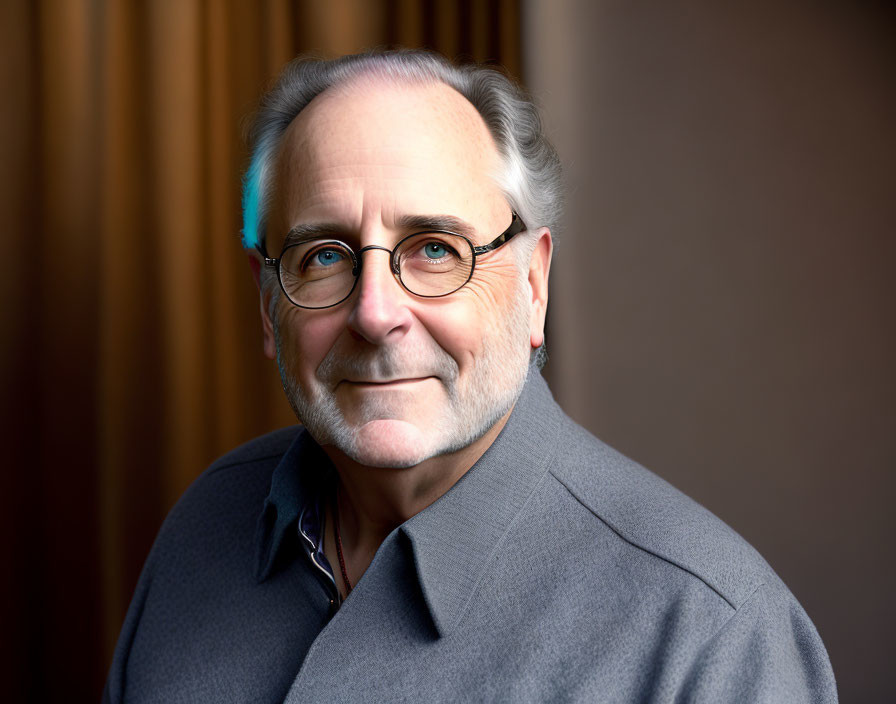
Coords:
267,325
539,268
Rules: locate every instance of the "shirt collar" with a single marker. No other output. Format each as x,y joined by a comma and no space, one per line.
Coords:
290,488
454,539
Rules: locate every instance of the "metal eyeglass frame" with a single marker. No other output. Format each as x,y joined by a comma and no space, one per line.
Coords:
516,226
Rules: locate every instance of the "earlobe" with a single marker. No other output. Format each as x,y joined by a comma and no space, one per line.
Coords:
267,325
539,270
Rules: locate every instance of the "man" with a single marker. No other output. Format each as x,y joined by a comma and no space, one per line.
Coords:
437,529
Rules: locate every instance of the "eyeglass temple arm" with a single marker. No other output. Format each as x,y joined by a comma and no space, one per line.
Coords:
263,251
516,226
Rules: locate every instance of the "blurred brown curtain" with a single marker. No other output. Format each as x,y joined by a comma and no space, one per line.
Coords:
131,352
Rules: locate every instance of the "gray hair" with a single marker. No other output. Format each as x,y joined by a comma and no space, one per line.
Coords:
531,178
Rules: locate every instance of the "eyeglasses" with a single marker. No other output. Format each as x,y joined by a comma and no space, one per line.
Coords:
321,272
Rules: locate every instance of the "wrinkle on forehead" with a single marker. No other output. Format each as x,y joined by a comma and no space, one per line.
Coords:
370,120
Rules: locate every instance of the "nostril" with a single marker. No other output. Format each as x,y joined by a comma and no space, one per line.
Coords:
379,308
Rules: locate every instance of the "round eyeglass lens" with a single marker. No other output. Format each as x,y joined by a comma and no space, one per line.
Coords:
317,274
434,263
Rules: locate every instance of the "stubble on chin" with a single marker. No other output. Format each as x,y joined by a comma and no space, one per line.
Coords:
318,409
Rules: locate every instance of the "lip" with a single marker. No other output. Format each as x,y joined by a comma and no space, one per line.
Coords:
387,384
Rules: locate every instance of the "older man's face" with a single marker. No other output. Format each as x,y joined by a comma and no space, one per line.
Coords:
389,378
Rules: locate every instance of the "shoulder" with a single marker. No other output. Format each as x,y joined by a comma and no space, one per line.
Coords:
749,638
258,457
203,549
233,486
651,515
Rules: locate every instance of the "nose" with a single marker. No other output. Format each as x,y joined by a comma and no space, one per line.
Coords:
380,314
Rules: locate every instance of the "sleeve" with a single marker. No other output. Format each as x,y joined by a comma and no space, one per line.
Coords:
767,651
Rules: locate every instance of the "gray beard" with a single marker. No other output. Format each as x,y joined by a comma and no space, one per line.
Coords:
493,387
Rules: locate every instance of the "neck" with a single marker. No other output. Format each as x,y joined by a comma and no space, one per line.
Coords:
373,501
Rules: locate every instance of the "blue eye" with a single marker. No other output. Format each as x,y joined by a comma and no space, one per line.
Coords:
434,250
328,257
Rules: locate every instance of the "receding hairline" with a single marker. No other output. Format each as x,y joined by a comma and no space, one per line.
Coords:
367,79
529,174
303,129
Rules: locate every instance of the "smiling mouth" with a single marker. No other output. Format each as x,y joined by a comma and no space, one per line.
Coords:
385,384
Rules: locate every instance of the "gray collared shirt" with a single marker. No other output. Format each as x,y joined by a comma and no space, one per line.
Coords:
554,570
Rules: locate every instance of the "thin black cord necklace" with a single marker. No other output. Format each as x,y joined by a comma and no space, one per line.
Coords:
348,584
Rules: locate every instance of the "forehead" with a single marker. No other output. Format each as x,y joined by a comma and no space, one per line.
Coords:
376,149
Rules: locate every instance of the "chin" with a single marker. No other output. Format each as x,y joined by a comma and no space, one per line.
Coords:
388,443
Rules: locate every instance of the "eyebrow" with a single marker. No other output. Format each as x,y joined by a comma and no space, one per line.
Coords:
407,223
422,223
313,231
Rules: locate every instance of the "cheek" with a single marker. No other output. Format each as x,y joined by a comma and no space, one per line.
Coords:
494,309
462,328
306,338
458,332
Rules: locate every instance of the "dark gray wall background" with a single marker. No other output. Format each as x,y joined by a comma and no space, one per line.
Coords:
723,289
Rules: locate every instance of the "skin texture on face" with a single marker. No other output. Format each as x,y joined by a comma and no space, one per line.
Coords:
387,378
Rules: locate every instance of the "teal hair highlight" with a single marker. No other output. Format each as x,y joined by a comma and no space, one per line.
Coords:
252,188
